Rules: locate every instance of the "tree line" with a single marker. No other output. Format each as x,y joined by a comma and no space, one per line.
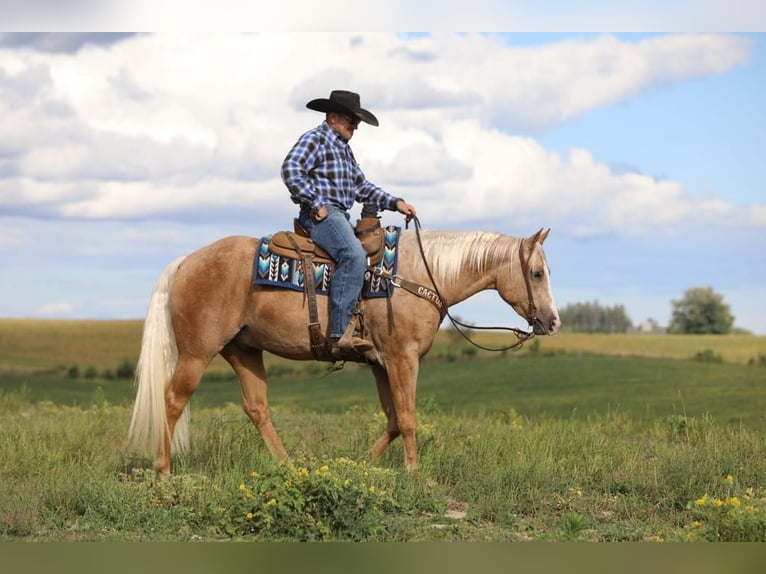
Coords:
699,311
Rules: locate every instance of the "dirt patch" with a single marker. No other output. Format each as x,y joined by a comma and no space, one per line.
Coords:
456,510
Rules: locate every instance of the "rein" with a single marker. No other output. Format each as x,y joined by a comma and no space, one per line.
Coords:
522,336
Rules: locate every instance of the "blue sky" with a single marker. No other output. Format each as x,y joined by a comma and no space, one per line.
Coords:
641,151
713,117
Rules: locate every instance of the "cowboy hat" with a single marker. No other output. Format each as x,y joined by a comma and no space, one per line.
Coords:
343,102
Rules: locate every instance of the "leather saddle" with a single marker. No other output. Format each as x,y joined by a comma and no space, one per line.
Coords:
297,244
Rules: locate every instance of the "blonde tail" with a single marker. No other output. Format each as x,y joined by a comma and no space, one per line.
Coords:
156,365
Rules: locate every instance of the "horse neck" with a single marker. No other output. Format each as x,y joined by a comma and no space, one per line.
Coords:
461,263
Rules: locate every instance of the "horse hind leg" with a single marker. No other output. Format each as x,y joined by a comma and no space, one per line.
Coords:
248,365
185,380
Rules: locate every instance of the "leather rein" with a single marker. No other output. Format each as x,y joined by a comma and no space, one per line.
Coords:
438,301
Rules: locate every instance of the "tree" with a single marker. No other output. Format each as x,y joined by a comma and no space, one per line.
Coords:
595,318
701,311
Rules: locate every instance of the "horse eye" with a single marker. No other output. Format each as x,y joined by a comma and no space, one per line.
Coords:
537,275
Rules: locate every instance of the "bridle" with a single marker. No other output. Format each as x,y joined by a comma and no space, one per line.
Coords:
531,315
526,272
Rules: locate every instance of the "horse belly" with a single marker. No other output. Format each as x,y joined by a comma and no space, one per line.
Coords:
278,322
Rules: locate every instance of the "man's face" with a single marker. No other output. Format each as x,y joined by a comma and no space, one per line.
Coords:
343,125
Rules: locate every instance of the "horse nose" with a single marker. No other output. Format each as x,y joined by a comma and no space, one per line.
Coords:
554,325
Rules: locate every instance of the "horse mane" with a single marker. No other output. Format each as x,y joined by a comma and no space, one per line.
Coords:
452,253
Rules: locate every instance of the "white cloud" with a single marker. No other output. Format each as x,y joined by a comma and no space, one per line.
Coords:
194,126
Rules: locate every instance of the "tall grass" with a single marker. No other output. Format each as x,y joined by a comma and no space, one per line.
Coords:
66,476
573,438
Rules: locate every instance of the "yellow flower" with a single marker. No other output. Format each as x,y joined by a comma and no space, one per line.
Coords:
730,479
271,502
254,474
324,468
249,516
733,501
347,482
303,471
372,490
718,503
242,486
701,501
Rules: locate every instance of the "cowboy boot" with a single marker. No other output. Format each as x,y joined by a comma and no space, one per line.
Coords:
351,342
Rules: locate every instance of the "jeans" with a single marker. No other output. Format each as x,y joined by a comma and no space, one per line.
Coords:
335,235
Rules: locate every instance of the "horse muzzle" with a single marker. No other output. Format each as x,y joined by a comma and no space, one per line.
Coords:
546,327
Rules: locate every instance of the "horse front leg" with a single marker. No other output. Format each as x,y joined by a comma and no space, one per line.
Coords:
402,381
387,403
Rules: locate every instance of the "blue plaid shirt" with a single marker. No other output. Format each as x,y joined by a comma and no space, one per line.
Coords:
321,170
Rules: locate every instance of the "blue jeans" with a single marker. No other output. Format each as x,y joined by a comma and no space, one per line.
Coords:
335,235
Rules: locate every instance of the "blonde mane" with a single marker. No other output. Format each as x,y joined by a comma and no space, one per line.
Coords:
451,254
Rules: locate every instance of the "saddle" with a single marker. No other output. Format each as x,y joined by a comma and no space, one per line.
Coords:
298,245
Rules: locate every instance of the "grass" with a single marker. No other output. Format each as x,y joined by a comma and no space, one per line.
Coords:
42,344
563,386
33,344
67,478
554,443
732,348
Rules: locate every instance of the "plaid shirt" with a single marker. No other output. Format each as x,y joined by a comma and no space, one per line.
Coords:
321,170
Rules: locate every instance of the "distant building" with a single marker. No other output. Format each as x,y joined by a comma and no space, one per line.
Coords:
649,326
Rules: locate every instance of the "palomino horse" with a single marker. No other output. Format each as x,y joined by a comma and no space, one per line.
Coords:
205,303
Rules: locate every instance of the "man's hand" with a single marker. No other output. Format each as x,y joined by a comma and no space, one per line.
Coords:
406,209
319,214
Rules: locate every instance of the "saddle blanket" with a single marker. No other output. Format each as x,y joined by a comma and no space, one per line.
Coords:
274,270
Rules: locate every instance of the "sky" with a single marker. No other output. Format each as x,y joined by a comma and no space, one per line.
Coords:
641,151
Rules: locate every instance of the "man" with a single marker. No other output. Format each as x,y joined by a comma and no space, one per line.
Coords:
325,180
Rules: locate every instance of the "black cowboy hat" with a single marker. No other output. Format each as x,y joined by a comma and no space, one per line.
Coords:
343,102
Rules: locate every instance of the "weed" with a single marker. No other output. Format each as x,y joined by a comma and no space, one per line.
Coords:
708,356
337,500
737,515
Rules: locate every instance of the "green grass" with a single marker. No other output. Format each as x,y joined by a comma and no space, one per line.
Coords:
67,477
566,386
562,386
552,443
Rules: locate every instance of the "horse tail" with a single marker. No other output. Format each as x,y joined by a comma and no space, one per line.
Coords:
156,364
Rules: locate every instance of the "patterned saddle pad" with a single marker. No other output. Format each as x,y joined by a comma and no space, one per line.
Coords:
275,270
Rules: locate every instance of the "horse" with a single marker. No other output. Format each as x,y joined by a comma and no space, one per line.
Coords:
205,304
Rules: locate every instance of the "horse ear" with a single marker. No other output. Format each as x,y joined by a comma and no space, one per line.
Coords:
544,236
536,237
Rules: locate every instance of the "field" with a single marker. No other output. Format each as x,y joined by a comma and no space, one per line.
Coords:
575,437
